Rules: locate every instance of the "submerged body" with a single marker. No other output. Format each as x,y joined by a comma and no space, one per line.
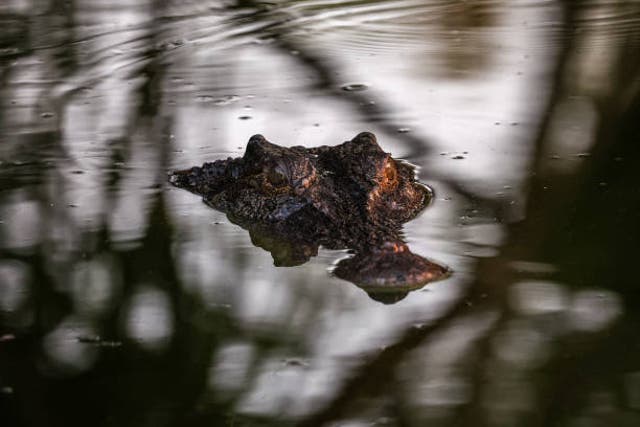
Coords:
293,200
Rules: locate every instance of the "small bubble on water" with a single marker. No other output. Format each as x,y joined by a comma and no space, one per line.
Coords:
204,98
46,115
458,157
245,117
404,130
7,337
295,362
355,87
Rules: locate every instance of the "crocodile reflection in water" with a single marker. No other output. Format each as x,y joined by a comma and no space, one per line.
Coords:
294,200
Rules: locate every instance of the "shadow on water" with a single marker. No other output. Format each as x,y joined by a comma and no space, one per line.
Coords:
124,302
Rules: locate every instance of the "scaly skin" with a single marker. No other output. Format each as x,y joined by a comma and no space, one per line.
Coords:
293,200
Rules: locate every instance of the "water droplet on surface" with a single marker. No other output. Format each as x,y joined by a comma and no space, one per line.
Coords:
46,115
404,130
245,117
355,87
204,98
458,157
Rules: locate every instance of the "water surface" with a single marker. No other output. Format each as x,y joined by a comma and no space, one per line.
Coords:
124,301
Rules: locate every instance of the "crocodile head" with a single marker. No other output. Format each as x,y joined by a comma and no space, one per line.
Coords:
350,196
355,181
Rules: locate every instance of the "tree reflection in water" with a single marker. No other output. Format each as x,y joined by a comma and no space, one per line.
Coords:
121,302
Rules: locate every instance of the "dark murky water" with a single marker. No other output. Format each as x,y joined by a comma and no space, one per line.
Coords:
124,301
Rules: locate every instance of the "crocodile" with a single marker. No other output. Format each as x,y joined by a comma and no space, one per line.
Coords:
294,200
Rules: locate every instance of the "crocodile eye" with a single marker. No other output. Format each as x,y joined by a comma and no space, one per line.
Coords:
390,173
277,177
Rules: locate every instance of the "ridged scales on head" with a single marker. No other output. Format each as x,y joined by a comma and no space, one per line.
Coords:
353,195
